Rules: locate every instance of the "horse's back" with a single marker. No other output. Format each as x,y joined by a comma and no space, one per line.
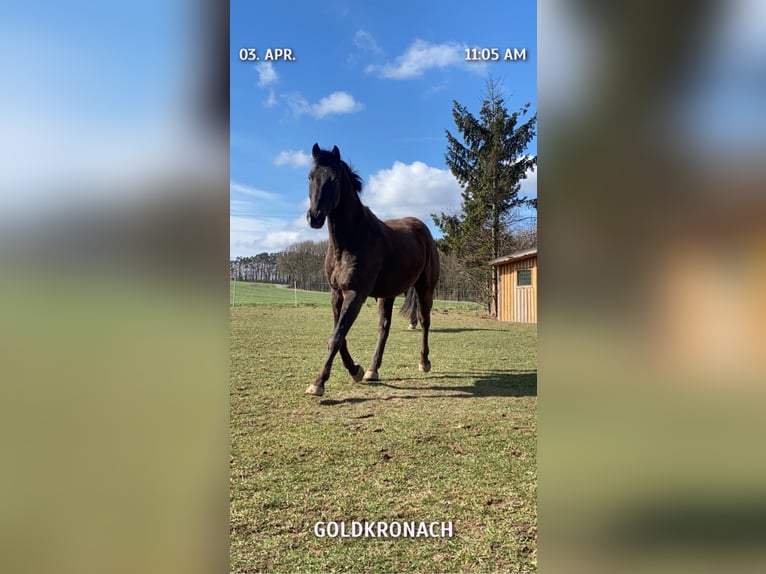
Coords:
410,229
411,253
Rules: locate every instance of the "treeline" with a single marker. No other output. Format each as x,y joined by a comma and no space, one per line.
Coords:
261,268
302,265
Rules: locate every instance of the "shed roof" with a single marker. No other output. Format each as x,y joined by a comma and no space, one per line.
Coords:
515,256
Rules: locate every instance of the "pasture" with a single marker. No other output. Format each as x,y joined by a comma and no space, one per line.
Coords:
457,444
265,294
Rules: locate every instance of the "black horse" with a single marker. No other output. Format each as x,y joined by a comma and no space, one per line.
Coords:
367,257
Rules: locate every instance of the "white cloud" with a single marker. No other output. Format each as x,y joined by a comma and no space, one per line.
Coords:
279,240
272,100
252,191
419,57
298,104
529,185
293,158
246,235
335,103
251,235
266,73
366,41
239,224
415,189
269,223
239,206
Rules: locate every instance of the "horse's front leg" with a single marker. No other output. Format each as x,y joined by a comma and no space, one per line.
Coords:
385,308
349,310
356,371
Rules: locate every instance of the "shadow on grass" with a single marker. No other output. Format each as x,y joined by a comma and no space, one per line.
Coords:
484,384
456,329
358,400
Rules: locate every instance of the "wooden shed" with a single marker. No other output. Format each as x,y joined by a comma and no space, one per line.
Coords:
517,286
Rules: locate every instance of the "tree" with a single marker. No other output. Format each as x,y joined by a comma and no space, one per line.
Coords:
454,285
303,264
489,163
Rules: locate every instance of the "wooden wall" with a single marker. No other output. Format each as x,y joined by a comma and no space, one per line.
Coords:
517,304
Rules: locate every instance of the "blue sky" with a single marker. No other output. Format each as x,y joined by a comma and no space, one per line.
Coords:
377,80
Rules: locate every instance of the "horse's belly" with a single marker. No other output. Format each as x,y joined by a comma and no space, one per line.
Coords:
393,284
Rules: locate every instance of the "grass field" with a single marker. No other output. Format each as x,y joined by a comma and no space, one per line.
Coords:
457,444
262,294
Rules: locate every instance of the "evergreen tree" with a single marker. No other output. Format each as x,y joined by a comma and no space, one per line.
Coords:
489,163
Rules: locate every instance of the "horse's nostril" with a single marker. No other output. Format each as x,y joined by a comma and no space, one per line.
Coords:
315,218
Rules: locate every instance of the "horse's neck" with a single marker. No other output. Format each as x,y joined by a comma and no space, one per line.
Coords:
347,220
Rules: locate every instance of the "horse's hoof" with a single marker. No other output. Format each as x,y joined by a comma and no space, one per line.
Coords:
424,368
412,327
359,374
371,376
315,390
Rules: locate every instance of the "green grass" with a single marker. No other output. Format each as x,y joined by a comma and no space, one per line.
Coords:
456,444
264,294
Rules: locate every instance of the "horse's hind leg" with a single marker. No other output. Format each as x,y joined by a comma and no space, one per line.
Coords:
413,319
385,308
425,302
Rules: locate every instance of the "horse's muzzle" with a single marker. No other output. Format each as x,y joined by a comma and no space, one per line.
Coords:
316,220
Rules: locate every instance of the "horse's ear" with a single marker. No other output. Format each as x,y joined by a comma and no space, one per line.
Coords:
336,152
315,151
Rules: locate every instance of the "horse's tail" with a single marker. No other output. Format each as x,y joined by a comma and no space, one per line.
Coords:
410,307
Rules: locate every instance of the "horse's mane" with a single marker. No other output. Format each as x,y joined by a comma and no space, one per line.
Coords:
356,179
326,158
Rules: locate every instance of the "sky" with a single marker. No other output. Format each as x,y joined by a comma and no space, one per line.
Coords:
376,79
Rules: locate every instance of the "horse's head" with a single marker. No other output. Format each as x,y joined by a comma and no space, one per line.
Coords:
324,185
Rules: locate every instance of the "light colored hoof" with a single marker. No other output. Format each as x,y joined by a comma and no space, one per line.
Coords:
412,327
424,368
315,390
359,374
371,376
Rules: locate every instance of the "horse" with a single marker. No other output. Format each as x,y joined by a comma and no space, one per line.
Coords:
367,257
